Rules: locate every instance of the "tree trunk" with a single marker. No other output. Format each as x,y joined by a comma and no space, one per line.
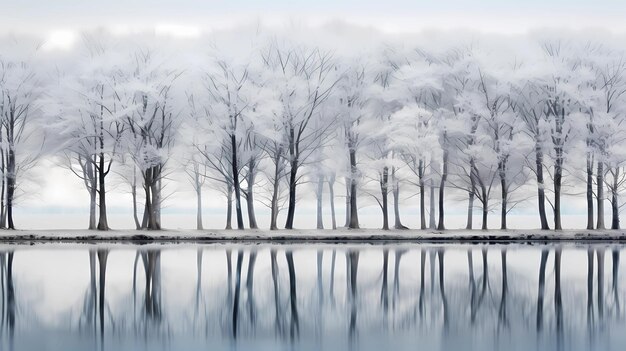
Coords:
133,190
503,202
236,185
10,186
431,199
318,195
557,197
420,171
396,202
91,185
331,195
485,209
470,210
600,185
103,223
199,202
442,185
541,192
615,201
354,214
589,191
384,185
275,190
250,194
3,212
348,183
293,179
229,207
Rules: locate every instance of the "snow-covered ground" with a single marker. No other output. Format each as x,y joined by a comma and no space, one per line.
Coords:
329,236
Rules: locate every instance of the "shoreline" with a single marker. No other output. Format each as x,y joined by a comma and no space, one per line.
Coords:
299,236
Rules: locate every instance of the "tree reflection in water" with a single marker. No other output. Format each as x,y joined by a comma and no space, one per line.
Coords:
516,297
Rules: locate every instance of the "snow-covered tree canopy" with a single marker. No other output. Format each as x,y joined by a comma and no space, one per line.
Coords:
499,123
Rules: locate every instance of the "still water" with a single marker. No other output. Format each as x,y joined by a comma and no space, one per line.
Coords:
312,297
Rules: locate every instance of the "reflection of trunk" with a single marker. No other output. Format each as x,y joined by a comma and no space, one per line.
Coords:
320,282
250,286
442,290
331,290
353,267
472,281
484,285
229,274
237,293
600,256
293,299
198,282
384,184
396,275
614,287
318,196
541,288
102,262
384,294
152,268
10,300
558,304
277,305
422,282
502,318
331,195
589,288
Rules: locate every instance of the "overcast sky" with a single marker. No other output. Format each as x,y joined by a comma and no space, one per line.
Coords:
59,21
504,16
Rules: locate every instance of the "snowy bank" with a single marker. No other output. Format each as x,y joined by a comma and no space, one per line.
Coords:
313,236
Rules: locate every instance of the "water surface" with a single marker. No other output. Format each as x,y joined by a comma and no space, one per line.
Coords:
310,297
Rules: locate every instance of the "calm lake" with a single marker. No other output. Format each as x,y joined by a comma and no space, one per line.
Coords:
312,297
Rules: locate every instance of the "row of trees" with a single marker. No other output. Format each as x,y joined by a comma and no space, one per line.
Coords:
487,127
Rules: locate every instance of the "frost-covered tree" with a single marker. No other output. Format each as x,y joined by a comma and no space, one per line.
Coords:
20,88
152,120
305,79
